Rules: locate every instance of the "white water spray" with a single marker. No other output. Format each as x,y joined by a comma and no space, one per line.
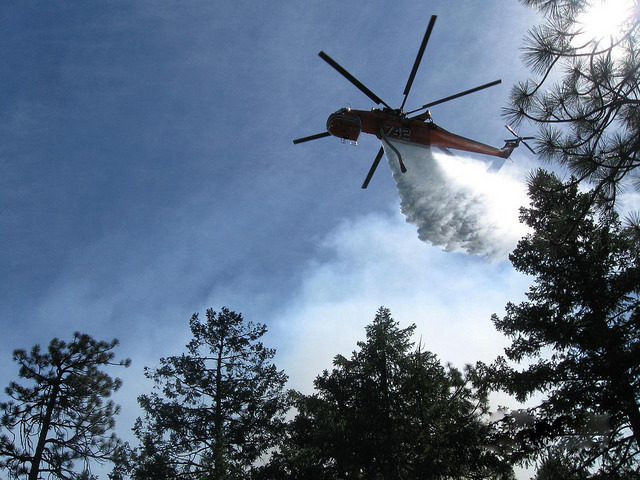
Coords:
455,203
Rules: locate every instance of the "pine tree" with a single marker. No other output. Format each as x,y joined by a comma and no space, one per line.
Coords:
585,97
62,418
217,408
390,412
577,334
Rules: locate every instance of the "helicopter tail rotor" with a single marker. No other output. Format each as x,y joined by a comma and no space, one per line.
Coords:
520,139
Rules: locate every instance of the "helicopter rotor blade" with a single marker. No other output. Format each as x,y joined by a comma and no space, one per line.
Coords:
457,95
352,79
373,168
418,59
311,137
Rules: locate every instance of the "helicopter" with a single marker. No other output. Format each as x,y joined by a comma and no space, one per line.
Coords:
395,124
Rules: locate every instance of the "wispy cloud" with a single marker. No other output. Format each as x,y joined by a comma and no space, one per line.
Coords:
377,260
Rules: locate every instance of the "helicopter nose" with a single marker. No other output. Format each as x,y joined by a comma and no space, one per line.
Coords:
346,127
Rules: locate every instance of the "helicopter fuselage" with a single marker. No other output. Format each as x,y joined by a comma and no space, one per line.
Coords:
389,124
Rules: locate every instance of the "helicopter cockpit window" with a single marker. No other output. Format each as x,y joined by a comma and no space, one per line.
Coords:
342,110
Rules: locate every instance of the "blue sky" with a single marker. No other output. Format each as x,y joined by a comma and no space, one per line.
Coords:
148,173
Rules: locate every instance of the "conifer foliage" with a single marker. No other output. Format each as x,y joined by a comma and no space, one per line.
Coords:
578,334
60,422
389,412
217,408
585,94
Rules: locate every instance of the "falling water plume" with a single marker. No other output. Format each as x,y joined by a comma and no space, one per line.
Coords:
456,203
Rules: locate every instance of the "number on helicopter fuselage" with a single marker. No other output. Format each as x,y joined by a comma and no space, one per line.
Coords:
403,133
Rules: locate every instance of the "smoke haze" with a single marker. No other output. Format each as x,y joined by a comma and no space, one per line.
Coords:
456,203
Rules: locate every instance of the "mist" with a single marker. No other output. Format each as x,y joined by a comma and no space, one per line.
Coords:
456,203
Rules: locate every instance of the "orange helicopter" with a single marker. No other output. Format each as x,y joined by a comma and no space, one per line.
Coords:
395,124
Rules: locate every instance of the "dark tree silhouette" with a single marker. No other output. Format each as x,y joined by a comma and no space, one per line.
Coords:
217,409
388,412
578,333
62,418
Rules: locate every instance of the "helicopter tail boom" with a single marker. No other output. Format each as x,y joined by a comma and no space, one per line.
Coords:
509,146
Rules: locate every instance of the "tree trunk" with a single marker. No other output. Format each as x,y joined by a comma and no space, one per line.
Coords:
219,470
44,431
